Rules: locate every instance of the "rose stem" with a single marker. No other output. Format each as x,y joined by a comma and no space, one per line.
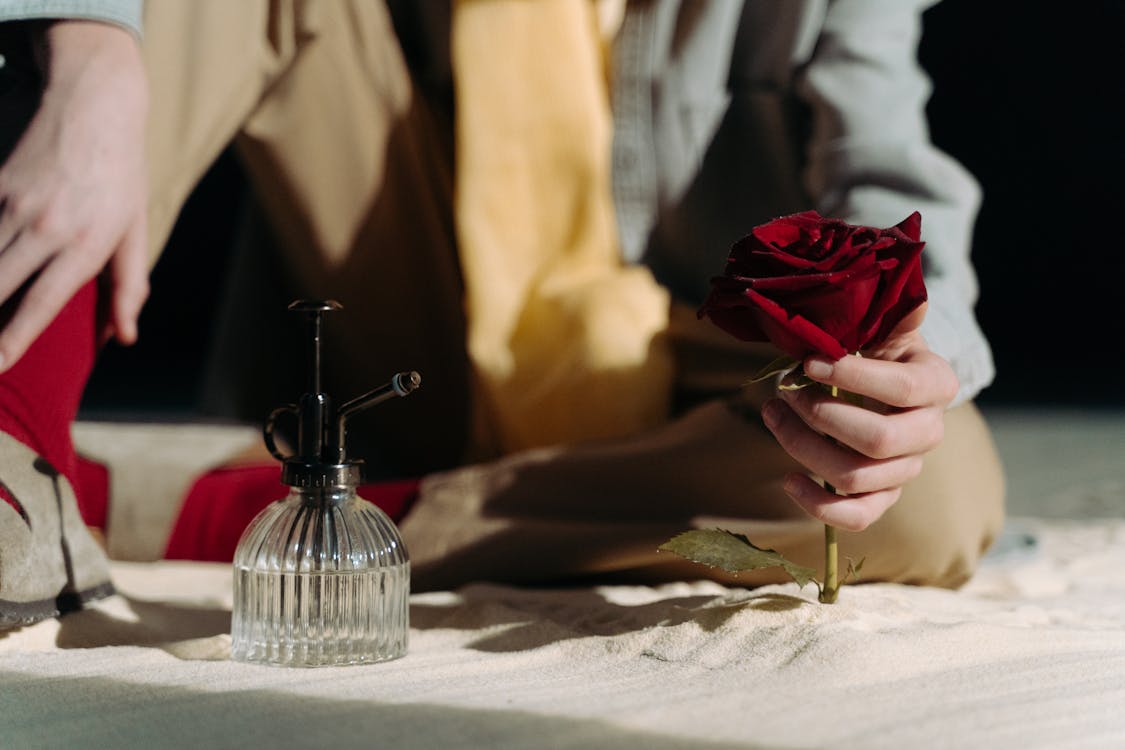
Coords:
831,585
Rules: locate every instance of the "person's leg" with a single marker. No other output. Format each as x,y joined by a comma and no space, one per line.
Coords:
39,395
49,563
48,560
934,535
605,508
353,170
208,63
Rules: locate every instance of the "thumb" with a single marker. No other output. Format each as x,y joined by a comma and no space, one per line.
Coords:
911,322
903,335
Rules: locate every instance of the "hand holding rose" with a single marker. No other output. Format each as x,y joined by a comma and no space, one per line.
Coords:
820,289
869,450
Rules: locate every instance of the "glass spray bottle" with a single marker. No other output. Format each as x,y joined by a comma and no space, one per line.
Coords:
321,577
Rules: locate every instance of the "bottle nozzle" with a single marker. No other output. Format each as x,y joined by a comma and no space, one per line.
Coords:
402,384
405,382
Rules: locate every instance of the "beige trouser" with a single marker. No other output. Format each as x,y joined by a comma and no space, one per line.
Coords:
604,508
353,177
353,170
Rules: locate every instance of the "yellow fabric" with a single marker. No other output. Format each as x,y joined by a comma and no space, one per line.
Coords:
565,340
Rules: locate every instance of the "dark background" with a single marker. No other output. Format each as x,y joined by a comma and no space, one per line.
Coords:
1027,96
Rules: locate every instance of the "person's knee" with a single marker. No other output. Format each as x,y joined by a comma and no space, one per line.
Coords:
948,517
946,550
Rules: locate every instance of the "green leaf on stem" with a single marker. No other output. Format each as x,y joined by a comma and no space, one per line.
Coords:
854,568
733,553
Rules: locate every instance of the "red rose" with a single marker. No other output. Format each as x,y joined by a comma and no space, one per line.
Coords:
813,285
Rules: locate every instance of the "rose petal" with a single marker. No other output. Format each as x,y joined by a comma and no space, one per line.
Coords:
837,309
904,290
799,282
739,321
785,230
911,226
795,335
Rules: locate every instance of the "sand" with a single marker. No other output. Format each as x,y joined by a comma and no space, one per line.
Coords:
1031,653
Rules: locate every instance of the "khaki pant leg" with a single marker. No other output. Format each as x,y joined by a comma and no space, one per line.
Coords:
354,175
604,508
351,171
946,518
208,64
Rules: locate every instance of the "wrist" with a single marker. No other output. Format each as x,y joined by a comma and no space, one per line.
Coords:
84,52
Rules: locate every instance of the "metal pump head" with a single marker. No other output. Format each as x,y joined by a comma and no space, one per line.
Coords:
321,458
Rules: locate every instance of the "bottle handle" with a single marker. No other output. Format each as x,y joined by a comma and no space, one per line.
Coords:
271,425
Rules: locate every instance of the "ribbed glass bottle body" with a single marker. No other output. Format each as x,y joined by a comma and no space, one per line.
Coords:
320,578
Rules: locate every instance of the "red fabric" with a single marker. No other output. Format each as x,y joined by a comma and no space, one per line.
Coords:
39,396
222,503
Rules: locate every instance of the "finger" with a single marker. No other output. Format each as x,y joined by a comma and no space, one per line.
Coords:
850,512
11,219
22,258
922,379
53,288
848,471
875,435
129,274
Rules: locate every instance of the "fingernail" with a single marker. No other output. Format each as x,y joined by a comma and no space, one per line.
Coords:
771,412
815,367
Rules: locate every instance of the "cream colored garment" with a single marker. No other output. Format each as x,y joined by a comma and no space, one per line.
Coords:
566,341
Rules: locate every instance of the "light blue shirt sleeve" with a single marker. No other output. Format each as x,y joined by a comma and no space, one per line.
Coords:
125,13
711,104
872,162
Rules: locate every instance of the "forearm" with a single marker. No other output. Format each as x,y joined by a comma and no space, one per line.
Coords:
90,59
